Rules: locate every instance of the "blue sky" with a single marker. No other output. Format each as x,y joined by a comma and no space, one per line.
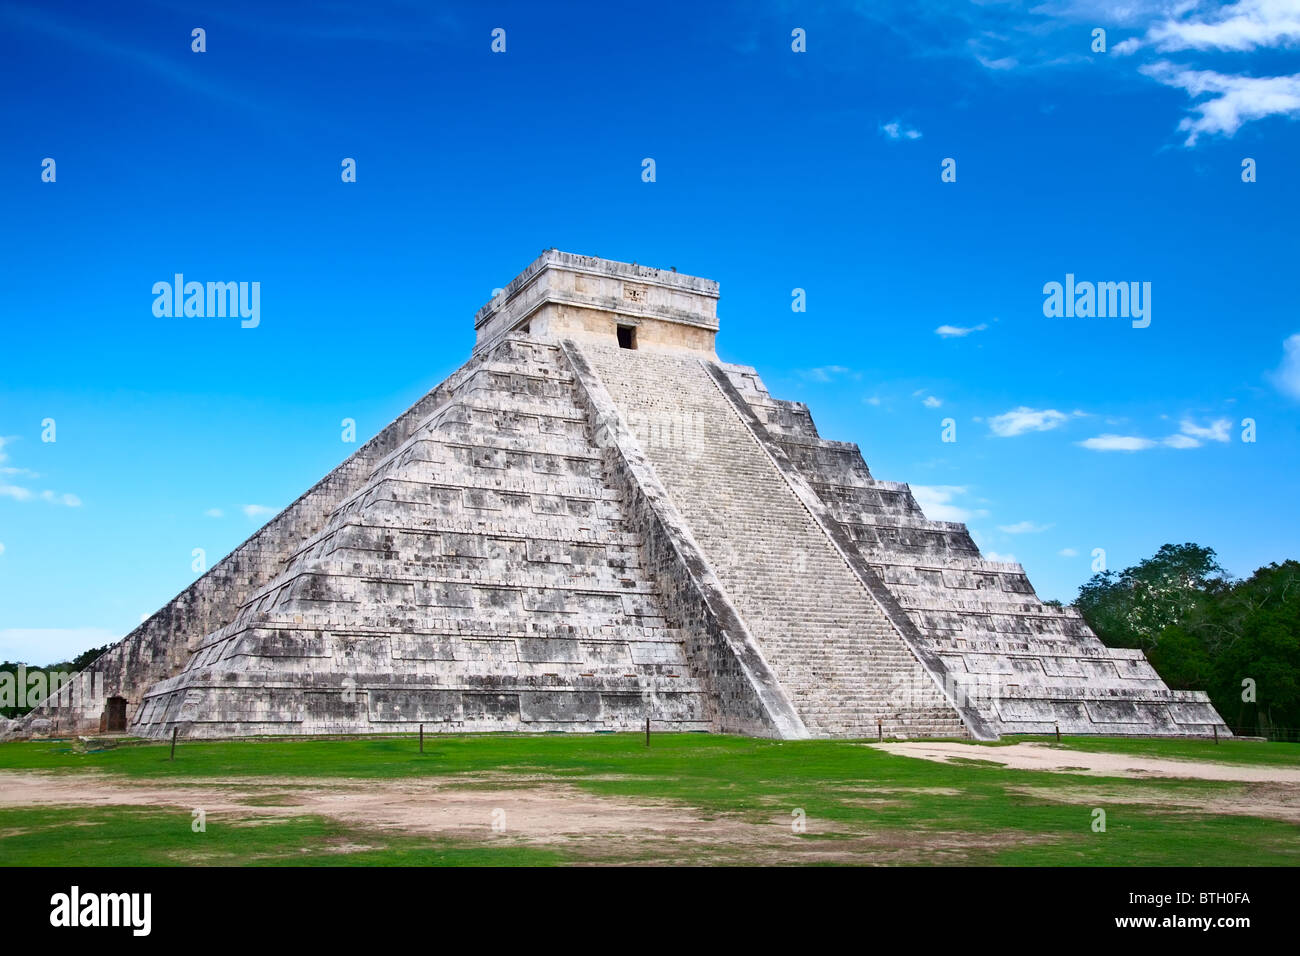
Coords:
775,170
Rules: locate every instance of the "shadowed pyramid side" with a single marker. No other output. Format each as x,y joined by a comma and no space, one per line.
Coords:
484,578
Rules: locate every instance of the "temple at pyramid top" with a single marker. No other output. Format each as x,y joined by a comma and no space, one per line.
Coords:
562,295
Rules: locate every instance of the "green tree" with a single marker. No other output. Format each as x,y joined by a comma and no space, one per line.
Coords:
1133,607
1238,641
1251,635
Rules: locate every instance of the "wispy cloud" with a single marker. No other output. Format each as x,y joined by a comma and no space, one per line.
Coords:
1230,99
1117,443
1286,377
1217,430
1026,419
71,501
1238,27
257,511
1233,100
1024,527
1012,37
896,130
20,493
958,331
939,503
827,373
214,513
97,43
1189,435
1068,553
15,492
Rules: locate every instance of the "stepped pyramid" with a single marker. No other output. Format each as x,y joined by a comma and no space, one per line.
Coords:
593,522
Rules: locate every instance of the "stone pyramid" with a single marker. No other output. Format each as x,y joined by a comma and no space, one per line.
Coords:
593,522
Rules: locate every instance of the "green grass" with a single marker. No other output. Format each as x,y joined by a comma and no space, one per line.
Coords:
876,807
156,836
1233,751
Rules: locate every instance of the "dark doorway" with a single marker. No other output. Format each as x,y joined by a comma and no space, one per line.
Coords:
115,715
626,337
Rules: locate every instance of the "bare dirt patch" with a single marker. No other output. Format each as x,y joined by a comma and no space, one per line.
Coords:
1035,756
1271,801
589,827
542,813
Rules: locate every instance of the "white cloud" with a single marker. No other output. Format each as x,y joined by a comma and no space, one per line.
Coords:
931,402
1189,435
1217,430
1286,377
1025,419
826,373
937,503
15,492
995,556
957,331
1023,527
256,511
214,512
72,501
896,130
1002,35
49,645
1233,99
1239,27
873,400
1001,63
1068,553
1117,443
19,493
2,547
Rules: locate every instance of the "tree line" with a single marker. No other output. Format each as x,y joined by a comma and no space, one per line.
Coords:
1237,640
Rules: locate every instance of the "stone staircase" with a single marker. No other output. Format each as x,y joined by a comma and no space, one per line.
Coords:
845,668
1014,664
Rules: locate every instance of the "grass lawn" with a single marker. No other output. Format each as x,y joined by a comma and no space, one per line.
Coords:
732,800
1243,752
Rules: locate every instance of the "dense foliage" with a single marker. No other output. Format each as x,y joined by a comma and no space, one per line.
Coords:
1237,640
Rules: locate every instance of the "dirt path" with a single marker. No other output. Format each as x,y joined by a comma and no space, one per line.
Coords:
1035,756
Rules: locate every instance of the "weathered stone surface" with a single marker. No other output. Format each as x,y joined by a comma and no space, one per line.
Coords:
574,534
